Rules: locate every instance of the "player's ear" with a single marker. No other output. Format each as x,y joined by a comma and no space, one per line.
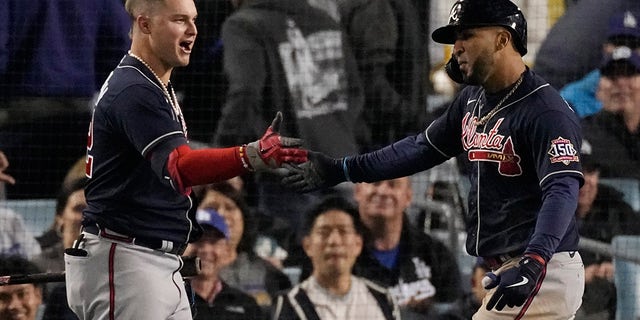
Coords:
143,23
502,39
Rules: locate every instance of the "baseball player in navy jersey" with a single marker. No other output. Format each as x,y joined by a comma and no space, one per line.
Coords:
520,140
126,263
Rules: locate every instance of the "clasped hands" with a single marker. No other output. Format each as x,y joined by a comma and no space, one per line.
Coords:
305,170
271,151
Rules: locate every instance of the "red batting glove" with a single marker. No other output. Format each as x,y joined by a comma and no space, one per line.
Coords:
272,150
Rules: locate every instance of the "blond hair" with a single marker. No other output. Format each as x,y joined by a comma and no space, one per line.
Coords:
138,7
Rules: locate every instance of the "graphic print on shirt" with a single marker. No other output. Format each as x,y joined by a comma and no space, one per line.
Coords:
419,289
490,146
314,67
562,150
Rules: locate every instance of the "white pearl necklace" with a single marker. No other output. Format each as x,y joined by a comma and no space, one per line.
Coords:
171,97
495,109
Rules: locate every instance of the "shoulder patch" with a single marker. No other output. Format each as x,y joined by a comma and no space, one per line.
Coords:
562,150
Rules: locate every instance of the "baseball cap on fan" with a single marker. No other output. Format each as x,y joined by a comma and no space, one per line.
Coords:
210,219
624,34
624,24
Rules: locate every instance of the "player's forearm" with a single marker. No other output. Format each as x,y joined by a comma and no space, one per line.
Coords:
402,158
189,167
560,198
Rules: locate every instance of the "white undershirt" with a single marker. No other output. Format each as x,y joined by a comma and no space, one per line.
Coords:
357,304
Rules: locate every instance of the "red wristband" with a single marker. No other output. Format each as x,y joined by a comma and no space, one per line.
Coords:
536,257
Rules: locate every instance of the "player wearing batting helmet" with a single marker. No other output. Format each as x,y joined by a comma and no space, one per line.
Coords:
126,263
520,141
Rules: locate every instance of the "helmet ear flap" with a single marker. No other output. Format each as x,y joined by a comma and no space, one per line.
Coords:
453,70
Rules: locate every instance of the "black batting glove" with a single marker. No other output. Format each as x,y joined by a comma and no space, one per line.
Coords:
319,172
516,284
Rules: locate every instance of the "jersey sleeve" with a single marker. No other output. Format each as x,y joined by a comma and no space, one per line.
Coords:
556,138
439,142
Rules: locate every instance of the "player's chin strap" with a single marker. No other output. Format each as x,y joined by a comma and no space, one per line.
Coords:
453,70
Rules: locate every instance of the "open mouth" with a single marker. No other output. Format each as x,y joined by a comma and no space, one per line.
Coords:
186,46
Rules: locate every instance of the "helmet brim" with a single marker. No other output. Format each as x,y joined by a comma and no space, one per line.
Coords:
445,34
449,33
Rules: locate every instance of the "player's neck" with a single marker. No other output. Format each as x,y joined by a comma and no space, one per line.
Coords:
505,77
155,64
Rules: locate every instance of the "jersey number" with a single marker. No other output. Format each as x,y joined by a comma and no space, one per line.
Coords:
88,169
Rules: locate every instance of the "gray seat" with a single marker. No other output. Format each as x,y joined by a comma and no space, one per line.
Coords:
626,250
630,188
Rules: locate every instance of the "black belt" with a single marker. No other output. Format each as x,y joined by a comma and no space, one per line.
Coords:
167,246
495,262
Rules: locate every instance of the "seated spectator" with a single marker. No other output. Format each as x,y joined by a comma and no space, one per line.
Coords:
275,235
624,30
419,270
244,269
333,239
614,129
66,226
601,215
214,298
19,301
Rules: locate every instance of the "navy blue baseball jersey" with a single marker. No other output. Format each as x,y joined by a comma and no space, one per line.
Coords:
532,139
132,120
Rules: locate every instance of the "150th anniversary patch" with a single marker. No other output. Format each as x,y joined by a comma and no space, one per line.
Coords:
562,150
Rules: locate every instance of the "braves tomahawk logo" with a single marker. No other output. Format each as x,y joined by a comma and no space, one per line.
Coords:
490,146
455,13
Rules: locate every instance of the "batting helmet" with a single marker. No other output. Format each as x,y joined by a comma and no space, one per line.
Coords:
478,13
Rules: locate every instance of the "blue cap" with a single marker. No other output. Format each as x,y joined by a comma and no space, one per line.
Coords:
624,24
211,217
622,61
